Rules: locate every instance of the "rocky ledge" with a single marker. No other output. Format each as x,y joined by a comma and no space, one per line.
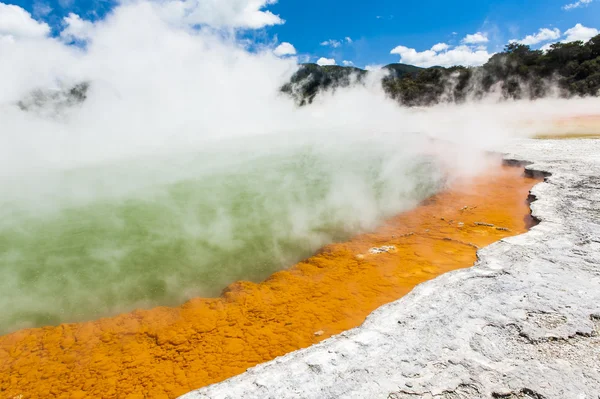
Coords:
524,322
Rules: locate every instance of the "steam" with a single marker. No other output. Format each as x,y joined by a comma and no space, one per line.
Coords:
185,168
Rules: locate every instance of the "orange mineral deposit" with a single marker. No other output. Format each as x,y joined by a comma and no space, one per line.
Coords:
165,352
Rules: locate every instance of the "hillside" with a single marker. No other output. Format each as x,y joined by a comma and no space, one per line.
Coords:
518,72
310,78
399,70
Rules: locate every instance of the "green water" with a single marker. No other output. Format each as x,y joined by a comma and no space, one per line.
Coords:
82,243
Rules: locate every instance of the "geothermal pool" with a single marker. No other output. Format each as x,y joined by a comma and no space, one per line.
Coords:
165,352
107,238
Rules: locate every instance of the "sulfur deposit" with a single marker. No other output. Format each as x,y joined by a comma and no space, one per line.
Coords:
524,322
165,352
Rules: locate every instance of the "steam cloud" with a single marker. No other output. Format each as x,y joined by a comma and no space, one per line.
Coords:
185,165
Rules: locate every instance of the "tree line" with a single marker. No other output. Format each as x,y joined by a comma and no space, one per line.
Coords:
518,72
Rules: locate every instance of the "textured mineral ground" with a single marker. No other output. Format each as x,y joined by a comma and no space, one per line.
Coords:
165,352
524,322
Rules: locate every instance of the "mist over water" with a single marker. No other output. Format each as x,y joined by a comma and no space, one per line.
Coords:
200,221
186,169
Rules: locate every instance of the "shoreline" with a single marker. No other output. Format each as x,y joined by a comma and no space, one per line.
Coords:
524,322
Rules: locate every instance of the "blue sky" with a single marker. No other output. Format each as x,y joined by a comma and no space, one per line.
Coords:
376,28
418,24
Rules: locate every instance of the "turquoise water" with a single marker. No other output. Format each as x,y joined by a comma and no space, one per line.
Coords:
80,243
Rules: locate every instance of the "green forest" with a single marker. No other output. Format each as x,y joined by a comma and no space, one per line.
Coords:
564,70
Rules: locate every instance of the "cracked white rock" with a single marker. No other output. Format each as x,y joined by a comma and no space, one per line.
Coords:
522,323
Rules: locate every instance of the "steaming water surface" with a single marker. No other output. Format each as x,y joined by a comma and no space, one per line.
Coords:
91,241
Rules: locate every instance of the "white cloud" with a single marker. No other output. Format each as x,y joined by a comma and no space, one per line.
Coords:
65,3
476,38
18,23
440,47
347,63
41,9
373,67
578,4
336,43
543,35
284,48
580,32
461,55
325,61
249,14
331,43
76,28
242,14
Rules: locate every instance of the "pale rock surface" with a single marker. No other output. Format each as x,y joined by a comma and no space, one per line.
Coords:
522,323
